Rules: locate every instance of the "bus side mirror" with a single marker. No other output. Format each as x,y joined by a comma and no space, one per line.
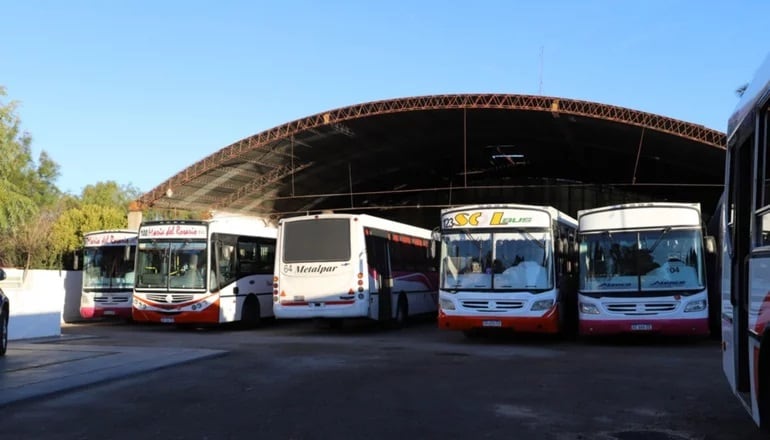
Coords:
561,245
435,235
75,261
432,249
709,242
2,274
126,253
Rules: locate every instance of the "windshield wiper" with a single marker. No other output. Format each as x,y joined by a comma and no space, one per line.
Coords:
528,235
666,230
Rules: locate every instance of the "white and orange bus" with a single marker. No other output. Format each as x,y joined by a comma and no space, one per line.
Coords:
507,267
204,272
744,218
339,266
108,273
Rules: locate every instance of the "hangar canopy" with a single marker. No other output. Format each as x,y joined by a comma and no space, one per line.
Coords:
407,158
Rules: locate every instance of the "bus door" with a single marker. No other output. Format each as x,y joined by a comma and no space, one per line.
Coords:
378,259
740,208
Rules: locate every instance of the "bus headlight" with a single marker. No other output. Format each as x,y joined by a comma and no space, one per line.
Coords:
446,304
695,306
589,309
543,304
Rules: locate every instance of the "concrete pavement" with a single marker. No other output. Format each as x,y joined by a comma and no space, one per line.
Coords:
33,369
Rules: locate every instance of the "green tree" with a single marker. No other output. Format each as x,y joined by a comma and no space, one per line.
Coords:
68,229
109,193
27,188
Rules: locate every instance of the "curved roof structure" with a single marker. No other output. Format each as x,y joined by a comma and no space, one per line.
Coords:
442,150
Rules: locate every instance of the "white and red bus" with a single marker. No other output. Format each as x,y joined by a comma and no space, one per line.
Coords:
745,250
108,273
353,266
509,267
642,270
204,272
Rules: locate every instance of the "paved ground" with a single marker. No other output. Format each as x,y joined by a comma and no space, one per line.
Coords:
296,381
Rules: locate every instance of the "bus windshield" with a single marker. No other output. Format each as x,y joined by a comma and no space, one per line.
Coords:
316,240
499,261
173,264
107,267
661,259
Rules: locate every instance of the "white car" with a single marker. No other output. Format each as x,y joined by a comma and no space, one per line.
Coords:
4,313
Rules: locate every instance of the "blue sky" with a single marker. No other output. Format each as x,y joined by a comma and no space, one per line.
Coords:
136,91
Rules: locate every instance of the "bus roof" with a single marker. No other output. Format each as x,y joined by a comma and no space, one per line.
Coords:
369,221
756,93
111,231
623,206
640,216
255,226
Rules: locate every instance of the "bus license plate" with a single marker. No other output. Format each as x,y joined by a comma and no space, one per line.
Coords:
167,320
109,312
491,324
641,327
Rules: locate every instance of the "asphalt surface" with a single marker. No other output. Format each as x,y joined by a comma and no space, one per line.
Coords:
295,380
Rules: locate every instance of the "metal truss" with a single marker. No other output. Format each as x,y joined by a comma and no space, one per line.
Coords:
335,118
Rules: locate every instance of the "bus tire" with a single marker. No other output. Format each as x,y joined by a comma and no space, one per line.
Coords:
402,312
3,331
250,315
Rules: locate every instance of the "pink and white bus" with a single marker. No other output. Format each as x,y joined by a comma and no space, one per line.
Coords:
339,266
108,273
744,218
643,270
204,272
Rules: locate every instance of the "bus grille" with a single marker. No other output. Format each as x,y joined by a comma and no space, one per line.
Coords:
174,298
485,306
641,308
108,299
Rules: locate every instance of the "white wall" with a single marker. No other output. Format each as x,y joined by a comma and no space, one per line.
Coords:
40,301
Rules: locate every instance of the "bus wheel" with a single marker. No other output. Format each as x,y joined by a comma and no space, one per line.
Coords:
3,332
250,314
402,312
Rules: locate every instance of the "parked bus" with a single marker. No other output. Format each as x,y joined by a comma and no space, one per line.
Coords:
507,267
642,270
353,266
745,250
108,273
204,272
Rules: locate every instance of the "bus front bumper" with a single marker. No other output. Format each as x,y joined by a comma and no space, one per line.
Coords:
209,315
682,327
547,323
105,312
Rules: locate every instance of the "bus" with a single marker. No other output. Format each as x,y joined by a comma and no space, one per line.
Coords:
508,267
642,270
337,266
108,273
204,272
744,218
